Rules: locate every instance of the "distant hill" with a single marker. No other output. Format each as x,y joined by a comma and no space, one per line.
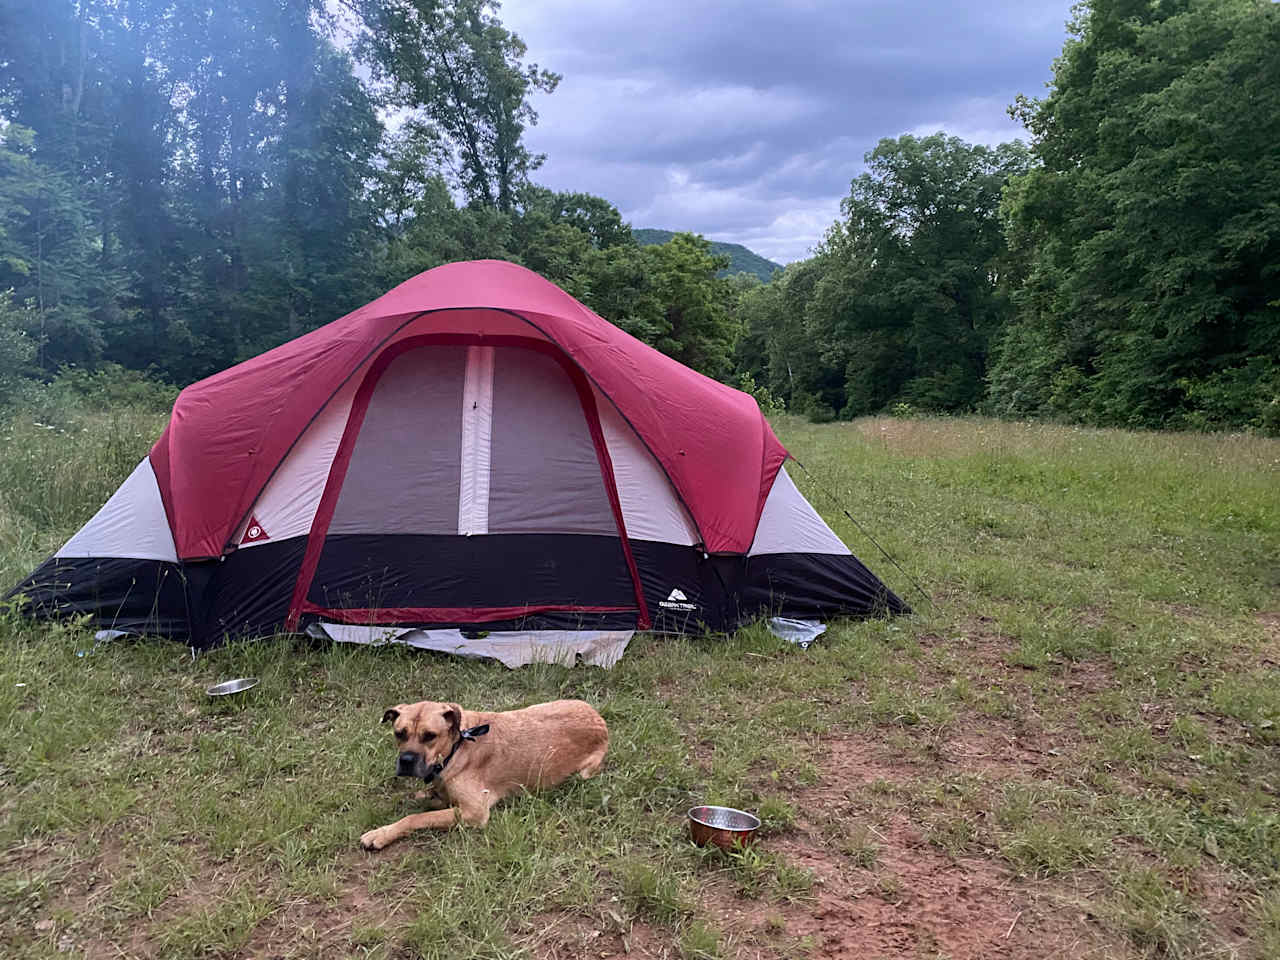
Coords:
741,260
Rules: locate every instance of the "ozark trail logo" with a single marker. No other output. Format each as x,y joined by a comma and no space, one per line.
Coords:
676,600
254,532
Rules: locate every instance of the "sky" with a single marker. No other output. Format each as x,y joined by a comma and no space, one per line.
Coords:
745,120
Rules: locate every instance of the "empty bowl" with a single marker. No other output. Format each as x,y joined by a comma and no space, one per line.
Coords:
724,826
231,686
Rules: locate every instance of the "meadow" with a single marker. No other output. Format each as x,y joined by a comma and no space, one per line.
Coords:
1071,750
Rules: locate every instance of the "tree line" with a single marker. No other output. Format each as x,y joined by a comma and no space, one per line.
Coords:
1124,269
184,185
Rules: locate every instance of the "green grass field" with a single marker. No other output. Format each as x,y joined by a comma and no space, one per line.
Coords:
1074,751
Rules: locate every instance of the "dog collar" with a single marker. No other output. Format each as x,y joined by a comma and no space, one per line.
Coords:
470,733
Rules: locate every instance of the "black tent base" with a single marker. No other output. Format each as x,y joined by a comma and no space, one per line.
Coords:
248,594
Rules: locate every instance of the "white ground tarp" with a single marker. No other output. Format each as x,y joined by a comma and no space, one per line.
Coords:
599,648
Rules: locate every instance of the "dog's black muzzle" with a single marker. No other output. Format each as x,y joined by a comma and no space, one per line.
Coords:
407,764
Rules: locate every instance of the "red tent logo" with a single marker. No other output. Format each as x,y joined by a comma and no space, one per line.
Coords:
254,532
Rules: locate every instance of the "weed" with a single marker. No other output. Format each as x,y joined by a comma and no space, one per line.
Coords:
775,815
652,892
859,848
1045,848
1155,914
699,942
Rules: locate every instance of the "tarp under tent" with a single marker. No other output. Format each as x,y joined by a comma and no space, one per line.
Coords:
472,457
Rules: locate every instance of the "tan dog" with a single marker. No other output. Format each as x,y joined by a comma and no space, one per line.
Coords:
475,759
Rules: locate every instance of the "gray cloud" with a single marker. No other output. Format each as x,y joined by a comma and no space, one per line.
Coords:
747,120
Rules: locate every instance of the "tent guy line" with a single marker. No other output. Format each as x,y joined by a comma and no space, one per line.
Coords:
861,529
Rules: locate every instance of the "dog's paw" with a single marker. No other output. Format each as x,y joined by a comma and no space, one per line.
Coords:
374,839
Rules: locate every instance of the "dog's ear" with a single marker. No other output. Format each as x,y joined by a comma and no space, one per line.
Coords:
390,715
453,717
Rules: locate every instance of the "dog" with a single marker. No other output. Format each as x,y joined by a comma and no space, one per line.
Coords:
474,759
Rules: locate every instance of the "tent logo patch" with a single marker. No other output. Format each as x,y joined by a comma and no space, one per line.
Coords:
254,532
676,600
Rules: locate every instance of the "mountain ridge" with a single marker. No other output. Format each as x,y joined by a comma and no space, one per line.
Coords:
741,259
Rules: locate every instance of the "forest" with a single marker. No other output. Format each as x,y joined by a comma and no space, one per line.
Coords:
184,185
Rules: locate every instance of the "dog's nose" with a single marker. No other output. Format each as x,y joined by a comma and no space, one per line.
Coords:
407,761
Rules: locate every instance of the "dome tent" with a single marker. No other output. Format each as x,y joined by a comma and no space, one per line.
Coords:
474,449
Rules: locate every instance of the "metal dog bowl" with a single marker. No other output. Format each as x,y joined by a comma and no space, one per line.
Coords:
231,686
724,826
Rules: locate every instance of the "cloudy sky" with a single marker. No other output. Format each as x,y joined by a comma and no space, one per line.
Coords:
745,120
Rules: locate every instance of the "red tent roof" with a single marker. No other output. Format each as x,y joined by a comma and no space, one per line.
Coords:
228,433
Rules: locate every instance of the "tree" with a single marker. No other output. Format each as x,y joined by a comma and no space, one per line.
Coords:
56,90
668,295
185,184
1149,235
780,348
431,230
554,234
911,293
323,225
453,61
594,216
17,349
696,326
47,258
261,195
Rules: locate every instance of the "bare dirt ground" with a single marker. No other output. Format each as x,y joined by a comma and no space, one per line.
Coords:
915,900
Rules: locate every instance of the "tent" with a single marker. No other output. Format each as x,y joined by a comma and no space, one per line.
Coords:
472,454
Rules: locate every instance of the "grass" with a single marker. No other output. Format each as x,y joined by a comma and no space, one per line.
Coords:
1088,710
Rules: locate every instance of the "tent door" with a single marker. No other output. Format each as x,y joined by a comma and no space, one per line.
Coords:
472,485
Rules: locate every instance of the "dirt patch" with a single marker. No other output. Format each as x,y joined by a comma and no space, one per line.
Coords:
991,646
83,883
969,651
1270,622
1091,617
201,892
892,894
38,856
983,630
565,936
978,641
1184,611
852,762
1088,677
914,902
703,753
323,927
319,927
1001,749
1222,906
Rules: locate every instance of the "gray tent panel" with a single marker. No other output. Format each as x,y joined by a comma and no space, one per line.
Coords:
404,472
545,473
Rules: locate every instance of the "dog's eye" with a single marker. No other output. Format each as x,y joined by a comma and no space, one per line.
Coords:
428,737
402,734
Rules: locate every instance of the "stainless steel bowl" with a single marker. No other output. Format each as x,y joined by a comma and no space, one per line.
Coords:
723,826
237,685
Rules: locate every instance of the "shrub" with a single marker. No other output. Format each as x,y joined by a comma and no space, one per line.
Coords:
770,404
1247,396
111,385
16,348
